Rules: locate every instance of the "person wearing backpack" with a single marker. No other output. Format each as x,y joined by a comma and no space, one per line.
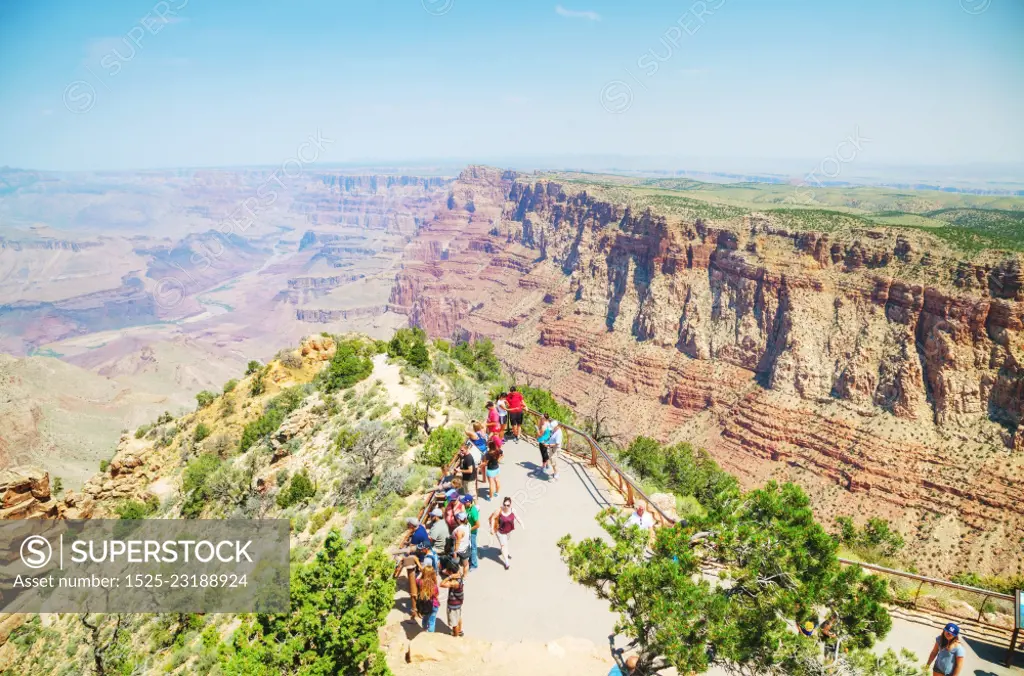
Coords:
427,597
947,653
456,586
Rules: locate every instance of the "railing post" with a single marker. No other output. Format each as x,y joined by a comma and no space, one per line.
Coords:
593,455
919,585
629,494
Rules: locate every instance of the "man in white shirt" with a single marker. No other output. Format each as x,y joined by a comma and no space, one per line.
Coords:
553,442
641,517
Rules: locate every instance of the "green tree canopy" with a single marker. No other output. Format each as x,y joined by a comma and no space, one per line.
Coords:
780,566
338,602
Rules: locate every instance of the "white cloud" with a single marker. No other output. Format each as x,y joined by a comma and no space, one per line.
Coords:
576,14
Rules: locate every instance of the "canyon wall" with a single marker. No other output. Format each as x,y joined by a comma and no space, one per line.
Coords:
877,370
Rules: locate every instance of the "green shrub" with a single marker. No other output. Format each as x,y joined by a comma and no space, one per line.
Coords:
319,519
299,489
349,365
259,384
202,431
440,446
230,385
104,464
194,484
479,358
252,367
205,398
134,509
277,409
340,601
142,431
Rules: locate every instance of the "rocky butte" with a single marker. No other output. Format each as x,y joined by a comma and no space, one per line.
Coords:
878,367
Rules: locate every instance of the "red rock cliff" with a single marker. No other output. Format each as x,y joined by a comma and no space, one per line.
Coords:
882,376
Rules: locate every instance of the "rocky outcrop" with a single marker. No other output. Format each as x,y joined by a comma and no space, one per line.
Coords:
857,358
25,494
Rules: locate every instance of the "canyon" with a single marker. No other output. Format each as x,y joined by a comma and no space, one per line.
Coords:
137,290
879,367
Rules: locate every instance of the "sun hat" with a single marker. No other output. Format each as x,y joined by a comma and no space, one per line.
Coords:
451,493
412,521
461,516
952,628
436,512
808,626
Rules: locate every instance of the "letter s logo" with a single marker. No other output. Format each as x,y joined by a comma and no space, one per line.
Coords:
36,551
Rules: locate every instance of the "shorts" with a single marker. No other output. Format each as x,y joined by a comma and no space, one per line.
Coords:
502,538
515,417
553,450
454,616
491,473
409,562
469,487
463,557
501,417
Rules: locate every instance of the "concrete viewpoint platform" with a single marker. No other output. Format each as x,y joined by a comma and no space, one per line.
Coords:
536,600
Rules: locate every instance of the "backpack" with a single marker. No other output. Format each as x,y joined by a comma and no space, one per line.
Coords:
425,606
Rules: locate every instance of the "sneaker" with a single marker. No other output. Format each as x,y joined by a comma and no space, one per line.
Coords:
506,565
555,476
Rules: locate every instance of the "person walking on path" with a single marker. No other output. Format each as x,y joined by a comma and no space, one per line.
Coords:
503,522
516,406
438,530
462,541
492,462
427,599
551,437
456,586
473,517
947,653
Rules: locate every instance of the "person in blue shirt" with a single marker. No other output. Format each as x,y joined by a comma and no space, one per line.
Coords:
629,665
947,653
419,532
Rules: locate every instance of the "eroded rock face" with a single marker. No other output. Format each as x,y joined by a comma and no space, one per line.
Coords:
861,361
25,494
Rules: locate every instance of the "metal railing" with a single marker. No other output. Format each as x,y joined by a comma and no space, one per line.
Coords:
599,459
588,449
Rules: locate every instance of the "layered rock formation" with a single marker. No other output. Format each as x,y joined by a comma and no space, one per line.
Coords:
873,366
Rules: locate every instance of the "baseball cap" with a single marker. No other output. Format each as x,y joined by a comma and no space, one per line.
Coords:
952,628
436,512
808,626
412,521
461,516
451,494
423,545
466,499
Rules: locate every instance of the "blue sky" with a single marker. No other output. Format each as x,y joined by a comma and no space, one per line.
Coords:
113,85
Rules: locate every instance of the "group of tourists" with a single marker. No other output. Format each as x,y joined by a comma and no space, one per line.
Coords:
443,551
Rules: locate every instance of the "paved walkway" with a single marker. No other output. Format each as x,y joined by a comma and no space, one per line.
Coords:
536,600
